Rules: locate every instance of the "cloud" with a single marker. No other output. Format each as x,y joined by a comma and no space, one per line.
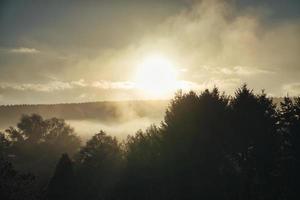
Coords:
102,84
47,87
247,71
64,85
238,70
292,89
213,42
229,85
79,83
216,40
216,33
24,50
114,85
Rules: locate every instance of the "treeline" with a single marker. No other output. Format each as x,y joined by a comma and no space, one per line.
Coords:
101,111
209,146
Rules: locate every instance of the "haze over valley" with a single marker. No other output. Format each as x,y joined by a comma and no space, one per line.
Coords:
116,118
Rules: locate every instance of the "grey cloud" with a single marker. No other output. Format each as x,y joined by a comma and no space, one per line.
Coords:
233,42
24,50
63,85
237,44
237,70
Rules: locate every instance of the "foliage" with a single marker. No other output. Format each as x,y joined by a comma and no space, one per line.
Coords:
62,185
98,166
15,185
36,144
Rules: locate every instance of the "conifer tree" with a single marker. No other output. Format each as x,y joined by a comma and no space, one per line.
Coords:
62,184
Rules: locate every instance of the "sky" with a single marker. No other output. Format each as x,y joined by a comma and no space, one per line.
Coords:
76,51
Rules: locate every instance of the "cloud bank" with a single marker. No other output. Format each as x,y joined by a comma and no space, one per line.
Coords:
211,43
24,50
216,43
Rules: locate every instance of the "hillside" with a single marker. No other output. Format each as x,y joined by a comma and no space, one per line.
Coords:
91,116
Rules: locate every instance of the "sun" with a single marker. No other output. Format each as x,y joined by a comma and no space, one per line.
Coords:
156,76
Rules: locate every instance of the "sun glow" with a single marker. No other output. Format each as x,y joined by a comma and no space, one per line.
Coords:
156,76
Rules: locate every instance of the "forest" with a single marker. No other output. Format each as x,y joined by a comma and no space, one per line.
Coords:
208,146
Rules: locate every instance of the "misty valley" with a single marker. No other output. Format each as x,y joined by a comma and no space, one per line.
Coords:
117,118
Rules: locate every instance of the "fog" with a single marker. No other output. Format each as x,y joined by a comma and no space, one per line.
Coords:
118,119
87,128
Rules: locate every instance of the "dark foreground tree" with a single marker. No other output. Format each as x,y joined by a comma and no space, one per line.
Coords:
98,166
143,171
290,154
36,144
194,133
15,185
254,144
208,147
62,184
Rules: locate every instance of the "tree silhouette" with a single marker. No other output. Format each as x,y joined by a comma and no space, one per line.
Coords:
143,173
254,142
32,127
62,184
15,185
98,162
4,144
290,157
194,145
37,144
